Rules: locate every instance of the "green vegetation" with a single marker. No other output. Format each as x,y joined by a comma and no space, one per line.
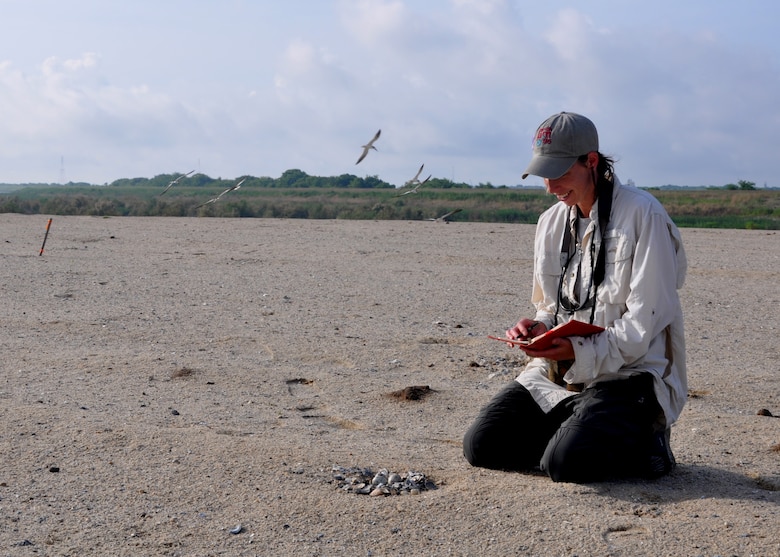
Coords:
723,208
298,195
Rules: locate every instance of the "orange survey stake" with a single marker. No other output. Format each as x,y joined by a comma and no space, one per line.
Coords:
48,226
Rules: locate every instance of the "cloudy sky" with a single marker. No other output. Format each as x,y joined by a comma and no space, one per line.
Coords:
682,92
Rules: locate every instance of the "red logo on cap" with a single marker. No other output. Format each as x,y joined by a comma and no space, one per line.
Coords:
543,137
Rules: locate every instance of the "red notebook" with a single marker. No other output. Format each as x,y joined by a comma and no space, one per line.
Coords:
573,328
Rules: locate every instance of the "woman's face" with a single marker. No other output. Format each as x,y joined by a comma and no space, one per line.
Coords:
577,185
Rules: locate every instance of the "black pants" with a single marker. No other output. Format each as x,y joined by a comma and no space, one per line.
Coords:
604,432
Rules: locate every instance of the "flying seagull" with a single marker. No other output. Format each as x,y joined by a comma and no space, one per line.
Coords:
214,199
415,188
367,146
174,182
416,179
445,218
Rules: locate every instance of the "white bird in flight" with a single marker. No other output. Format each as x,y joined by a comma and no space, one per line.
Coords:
368,146
416,179
214,199
445,218
415,188
173,182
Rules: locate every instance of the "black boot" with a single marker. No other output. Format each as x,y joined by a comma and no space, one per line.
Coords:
661,458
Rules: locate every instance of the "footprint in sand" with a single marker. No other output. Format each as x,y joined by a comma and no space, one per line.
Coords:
624,536
307,409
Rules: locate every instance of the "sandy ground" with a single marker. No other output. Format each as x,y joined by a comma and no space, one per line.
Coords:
167,379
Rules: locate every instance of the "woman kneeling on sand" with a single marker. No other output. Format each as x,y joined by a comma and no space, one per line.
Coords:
596,407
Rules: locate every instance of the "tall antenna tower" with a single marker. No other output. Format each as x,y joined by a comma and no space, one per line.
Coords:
62,170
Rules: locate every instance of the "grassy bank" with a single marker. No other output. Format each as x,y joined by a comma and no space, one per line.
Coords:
702,208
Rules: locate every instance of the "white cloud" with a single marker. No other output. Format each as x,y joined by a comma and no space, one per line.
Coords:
373,21
570,35
670,105
88,60
458,84
66,107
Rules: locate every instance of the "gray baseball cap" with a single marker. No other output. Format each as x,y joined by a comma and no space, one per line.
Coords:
558,142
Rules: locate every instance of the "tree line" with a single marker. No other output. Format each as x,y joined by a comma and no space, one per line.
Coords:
296,194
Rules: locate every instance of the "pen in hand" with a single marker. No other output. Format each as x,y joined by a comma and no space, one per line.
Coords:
514,333
530,328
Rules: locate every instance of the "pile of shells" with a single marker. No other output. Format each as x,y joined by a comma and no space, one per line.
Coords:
364,481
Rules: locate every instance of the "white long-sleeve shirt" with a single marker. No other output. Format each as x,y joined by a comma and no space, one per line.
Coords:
637,302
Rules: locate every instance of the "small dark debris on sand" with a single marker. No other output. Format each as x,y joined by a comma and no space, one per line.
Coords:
182,372
299,381
697,393
415,392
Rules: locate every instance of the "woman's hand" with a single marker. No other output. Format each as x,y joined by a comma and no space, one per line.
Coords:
561,349
526,328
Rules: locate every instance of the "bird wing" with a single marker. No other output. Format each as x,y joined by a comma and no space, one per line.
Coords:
232,188
363,156
374,138
212,200
369,145
172,182
448,215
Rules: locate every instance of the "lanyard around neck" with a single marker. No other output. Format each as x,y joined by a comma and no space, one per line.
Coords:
605,208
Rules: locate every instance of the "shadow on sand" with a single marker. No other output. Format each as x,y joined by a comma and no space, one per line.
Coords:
694,481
